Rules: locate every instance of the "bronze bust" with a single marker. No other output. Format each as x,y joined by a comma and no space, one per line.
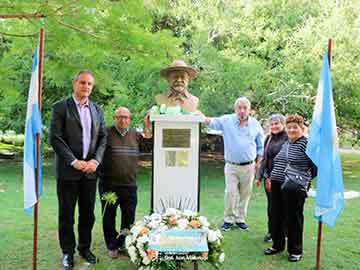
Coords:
178,75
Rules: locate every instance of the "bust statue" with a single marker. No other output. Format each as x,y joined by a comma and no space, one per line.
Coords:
178,75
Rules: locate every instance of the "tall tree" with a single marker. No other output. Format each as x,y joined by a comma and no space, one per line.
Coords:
111,38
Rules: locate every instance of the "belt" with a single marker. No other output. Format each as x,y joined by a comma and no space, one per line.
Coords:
241,163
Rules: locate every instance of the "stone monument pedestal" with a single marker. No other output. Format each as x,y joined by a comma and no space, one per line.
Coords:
176,152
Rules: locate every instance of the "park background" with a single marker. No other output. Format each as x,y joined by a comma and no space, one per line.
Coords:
270,51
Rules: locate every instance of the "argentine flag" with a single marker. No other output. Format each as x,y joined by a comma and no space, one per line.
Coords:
323,150
32,127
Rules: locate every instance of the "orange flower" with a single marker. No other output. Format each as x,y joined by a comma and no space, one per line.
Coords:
205,253
151,253
195,223
172,220
144,231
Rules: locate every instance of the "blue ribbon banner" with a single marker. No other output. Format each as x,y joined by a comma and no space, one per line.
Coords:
176,241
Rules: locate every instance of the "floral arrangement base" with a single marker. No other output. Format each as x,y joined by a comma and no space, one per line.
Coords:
145,257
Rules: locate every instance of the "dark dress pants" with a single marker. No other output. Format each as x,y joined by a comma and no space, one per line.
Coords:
69,192
127,201
287,212
278,216
295,224
268,197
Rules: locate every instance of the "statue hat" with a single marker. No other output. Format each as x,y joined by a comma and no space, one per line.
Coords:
179,65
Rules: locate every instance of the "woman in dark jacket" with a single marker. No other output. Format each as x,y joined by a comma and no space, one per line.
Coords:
289,204
273,143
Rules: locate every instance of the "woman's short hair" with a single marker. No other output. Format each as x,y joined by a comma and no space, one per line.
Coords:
277,117
295,118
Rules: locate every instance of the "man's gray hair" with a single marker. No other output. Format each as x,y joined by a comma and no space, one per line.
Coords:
242,100
278,117
84,71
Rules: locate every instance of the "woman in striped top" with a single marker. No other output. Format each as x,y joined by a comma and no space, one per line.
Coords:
289,205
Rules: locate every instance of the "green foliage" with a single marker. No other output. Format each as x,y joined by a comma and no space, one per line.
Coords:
109,198
111,38
270,51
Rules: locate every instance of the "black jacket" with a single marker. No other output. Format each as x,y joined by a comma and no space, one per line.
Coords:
271,149
66,138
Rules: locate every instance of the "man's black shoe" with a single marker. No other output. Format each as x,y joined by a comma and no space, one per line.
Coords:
67,262
88,256
294,257
272,251
267,237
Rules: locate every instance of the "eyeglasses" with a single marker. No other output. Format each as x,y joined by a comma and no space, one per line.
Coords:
122,117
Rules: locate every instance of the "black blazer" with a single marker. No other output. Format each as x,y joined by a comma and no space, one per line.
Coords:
66,138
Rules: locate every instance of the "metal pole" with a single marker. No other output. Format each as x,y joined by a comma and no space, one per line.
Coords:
196,265
41,50
318,246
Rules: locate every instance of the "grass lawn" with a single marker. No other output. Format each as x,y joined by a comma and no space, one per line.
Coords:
244,250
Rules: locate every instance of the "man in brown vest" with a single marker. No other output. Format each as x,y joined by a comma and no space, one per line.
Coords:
118,174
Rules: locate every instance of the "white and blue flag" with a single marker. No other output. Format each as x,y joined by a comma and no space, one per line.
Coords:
32,127
323,150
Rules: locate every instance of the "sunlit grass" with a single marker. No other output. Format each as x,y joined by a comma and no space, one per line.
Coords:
340,246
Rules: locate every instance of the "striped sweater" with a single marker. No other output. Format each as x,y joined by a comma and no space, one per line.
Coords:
297,158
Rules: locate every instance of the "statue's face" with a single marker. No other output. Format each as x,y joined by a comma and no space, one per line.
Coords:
178,80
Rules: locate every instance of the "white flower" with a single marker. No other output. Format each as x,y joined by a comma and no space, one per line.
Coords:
154,224
129,240
142,253
204,222
170,212
155,216
136,229
212,236
182,223
219,234
146,260
139,246
132,253
222,257
188,213
143,239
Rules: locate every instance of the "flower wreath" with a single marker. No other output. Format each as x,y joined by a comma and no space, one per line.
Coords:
145,258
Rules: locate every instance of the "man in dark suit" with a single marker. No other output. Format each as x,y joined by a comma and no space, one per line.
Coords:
78,137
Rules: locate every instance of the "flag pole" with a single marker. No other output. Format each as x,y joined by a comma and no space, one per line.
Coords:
41,50
318,247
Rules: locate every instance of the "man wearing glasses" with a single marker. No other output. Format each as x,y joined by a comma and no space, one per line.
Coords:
118,175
